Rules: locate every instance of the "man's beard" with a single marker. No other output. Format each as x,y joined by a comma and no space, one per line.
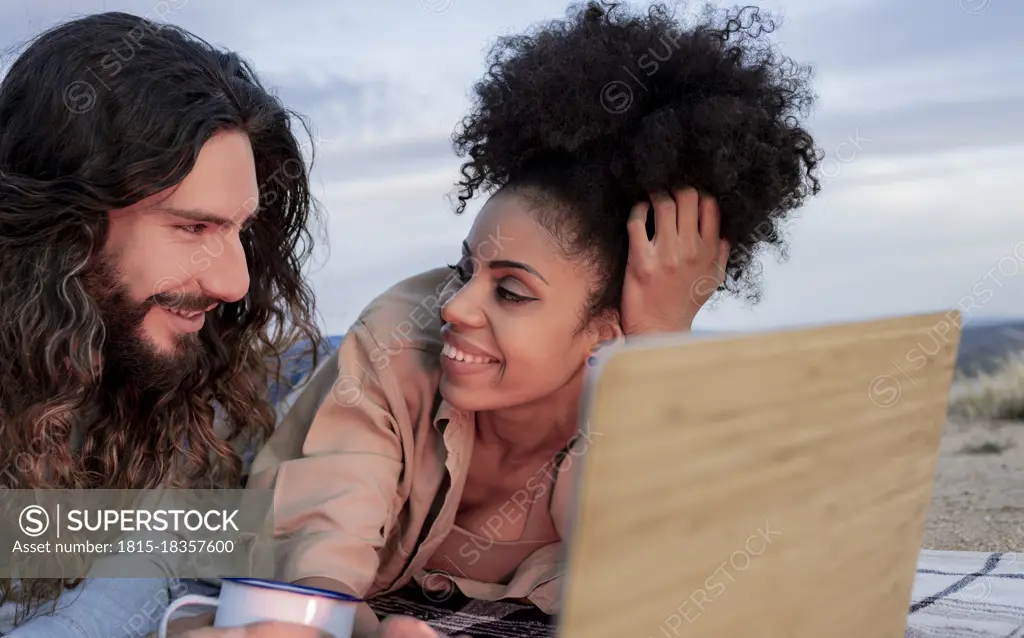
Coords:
130,357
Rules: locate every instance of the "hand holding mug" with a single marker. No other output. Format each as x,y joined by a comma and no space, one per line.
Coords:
393,627
256,608
258,630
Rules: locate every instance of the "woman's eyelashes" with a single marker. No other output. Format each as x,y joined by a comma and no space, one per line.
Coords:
501,292
460,273
507,295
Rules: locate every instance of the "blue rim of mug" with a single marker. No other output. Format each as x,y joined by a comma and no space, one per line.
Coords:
277,585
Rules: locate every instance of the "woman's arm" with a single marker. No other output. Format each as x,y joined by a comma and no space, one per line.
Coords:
333,504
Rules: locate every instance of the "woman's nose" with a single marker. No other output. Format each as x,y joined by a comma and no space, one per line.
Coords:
462,308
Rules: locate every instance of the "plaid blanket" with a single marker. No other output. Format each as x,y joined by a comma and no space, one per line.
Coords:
456,614
956,594
969,594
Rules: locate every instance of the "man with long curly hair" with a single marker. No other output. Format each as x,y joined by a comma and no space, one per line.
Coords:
154,220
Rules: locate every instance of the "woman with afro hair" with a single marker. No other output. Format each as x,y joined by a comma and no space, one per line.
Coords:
635,164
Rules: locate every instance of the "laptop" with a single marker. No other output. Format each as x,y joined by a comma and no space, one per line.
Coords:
770,485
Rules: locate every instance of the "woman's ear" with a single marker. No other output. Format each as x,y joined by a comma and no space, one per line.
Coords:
608,331
611,332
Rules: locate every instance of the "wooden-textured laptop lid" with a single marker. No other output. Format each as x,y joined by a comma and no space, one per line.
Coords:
770,485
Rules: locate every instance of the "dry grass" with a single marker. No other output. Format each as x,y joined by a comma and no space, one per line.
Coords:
998,395
988,447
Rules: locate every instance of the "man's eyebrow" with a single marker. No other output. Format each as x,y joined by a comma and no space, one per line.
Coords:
202,216
506,263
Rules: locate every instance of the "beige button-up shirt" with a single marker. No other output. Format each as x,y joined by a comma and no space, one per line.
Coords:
368,462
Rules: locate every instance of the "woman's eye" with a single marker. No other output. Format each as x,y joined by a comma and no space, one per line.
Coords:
508,295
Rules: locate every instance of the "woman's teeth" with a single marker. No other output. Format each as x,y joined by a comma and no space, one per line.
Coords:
454,353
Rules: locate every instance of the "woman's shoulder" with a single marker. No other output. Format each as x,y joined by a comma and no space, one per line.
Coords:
407,316
398,341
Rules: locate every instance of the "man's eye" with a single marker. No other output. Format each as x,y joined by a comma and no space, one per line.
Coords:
193,229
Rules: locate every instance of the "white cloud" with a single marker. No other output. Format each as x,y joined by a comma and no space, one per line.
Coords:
944,78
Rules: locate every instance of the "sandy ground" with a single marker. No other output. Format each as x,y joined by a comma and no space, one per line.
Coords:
978,498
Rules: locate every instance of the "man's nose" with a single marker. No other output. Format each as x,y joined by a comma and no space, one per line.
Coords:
227,276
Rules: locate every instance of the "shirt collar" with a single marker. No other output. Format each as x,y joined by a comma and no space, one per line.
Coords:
447,413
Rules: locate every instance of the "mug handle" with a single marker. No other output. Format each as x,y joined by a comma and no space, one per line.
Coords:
184,601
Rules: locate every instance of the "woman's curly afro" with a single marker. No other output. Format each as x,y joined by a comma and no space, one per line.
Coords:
589,115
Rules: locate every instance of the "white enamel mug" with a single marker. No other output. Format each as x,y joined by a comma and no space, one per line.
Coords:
244,601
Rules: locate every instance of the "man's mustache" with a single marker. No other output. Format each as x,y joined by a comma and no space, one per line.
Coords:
182,302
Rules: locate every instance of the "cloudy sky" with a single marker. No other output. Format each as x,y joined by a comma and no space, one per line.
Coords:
919,116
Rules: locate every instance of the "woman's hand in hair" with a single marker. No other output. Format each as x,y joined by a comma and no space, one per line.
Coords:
670,277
